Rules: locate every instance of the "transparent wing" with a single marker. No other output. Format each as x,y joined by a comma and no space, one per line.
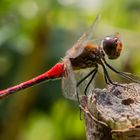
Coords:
86,37
70,80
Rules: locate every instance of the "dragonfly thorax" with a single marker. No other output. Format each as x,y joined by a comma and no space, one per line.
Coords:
89,57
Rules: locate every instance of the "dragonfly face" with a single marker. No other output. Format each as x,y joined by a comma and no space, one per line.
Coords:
112,47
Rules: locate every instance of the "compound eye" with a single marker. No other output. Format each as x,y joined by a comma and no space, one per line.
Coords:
112,47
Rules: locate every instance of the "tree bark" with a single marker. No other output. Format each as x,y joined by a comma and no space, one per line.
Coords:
112,113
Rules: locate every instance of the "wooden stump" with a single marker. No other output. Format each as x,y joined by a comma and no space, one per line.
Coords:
112,113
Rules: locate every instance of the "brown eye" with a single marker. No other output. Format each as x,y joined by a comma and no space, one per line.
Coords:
112,47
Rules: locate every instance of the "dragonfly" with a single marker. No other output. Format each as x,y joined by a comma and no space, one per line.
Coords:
85,54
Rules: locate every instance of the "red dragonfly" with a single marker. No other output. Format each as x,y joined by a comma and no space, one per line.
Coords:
85,54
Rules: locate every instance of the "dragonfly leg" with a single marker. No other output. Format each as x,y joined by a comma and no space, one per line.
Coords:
94,73
110,81
107,77
124,75
78,84
85,77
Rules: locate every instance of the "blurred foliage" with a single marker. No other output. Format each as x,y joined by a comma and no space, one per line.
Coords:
34,35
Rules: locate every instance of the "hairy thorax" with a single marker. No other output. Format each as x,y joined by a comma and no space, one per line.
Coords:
87,59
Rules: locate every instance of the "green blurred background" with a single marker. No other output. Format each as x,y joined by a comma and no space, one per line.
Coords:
34,35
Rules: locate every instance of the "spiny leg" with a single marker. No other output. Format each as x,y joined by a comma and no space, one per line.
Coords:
124,75
78,84
94,73
107,77
85,77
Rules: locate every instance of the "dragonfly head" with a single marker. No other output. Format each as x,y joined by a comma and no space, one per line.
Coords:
112,46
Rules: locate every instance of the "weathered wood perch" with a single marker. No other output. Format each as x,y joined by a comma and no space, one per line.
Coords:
113,113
